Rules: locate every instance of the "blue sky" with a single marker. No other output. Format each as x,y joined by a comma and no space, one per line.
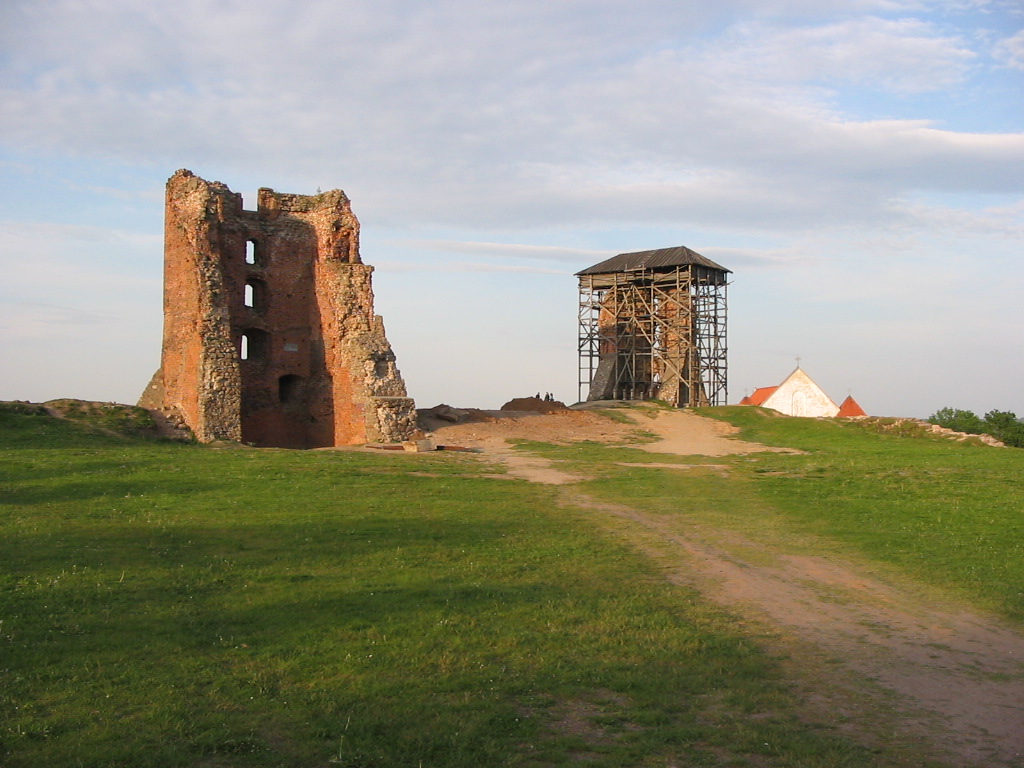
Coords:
857,164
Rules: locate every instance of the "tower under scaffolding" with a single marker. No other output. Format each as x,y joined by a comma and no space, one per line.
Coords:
652,326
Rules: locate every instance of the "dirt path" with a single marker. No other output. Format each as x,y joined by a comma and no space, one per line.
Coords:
943,676
957,675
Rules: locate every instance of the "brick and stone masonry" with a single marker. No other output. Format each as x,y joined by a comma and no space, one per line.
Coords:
269,332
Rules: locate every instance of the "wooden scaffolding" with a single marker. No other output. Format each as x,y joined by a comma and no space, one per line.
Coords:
652,325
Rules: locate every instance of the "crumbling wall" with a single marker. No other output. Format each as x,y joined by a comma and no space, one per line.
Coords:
269,330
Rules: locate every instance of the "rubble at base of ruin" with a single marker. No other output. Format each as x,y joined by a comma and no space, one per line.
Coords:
269,332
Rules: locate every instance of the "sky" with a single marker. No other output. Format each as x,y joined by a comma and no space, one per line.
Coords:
857,164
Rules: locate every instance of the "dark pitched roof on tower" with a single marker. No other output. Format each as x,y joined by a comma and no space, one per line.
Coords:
663,257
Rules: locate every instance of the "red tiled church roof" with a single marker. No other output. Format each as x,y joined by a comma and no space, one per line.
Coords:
850,407
759,396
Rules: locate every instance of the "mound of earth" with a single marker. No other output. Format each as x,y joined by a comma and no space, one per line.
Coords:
432,419
116,419
533,405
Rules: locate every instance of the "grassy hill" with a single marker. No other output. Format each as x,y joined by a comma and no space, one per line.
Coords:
169,604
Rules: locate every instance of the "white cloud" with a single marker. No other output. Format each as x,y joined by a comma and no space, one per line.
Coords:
30,320
998,222
904,55
509,115
1010,51
61,279
45,255
508,250
746,259
450,267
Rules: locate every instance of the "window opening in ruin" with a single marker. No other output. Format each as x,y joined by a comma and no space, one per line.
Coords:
253,345
289,388
251,252
255,295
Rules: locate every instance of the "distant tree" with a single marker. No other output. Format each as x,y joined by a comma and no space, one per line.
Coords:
958,420
1002,425
1005,426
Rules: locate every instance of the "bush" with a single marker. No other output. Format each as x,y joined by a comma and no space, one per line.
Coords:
1002,425
958,421
1005,426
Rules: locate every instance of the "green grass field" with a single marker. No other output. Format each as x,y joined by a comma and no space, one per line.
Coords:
179,605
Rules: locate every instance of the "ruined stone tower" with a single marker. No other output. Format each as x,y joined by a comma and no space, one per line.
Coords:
269,332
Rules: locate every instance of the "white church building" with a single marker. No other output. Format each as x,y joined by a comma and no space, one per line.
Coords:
798,395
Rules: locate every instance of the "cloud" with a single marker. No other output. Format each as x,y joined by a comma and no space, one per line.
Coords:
508,250
31,320
747,259
511,115
72,252
463,267
1010,51
997,222
60,279
904,56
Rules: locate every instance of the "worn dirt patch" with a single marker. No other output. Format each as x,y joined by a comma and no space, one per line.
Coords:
563,426
675,432
523,466
684,433
491,431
